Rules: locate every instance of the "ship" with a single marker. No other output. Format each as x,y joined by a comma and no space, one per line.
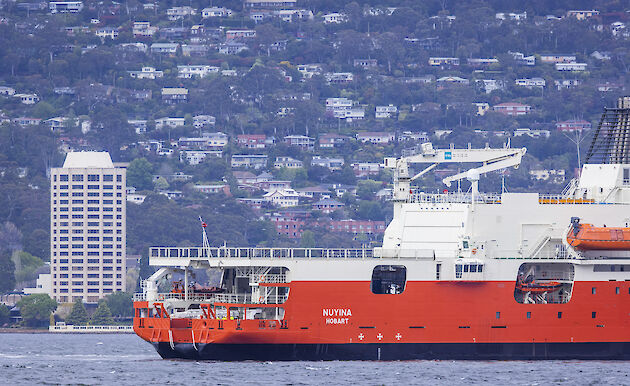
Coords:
459,275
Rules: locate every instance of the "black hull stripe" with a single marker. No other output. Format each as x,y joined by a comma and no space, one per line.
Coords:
395,351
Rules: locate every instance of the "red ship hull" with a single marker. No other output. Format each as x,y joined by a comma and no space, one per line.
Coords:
463,320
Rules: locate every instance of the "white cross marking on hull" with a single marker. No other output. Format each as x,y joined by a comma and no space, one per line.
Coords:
361,336
379,336
398,336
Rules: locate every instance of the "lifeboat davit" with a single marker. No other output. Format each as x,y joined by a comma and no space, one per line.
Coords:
538,287
589,237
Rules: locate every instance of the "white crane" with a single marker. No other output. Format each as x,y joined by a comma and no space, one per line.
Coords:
491,160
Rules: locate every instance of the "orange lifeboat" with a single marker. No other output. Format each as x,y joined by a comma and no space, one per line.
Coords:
538,287
589,237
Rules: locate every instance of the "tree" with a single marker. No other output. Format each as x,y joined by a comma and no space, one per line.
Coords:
26,266
139,174
7,275
4,314
307,240
36,309
102,316
120,303
78,316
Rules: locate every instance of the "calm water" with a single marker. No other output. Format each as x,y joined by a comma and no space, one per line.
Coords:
30,359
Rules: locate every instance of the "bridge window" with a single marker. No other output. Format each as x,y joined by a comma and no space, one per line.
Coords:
389,279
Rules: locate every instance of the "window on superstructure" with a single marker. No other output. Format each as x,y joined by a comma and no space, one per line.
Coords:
593,314
626,176
617,290
529,315
389,279
498,315
593,290
559,315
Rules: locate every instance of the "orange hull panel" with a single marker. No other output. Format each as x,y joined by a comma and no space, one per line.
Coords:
426,312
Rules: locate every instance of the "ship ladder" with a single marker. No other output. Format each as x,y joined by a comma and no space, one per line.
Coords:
170,339
192,332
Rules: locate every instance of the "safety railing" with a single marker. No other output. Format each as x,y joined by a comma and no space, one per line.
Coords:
272,279
214,298
254,253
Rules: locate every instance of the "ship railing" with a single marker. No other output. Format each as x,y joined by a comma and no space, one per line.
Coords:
216,298
445,198
545,254
489,198
253,253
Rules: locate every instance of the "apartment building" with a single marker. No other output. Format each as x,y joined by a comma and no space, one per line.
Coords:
87,228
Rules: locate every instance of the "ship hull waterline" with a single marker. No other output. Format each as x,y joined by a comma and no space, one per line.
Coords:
395,351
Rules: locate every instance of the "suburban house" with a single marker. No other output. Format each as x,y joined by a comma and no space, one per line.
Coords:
582,15
364,169
317,192
270,4
216,12
329,163
567,83
139,125
376,137
107,32
146,73
161,123
382,112
173,95
512,108
523,60
308,70
287,162
164,48
328,205
240,34
436,61
511,16
335,18
301,141
195,157
283,198
177,13
339,77
251,141
533,133
530,82
574,125
213,189
331,140
65,6
571,66
143,29
27,99
200,70
556,176
556,58
357,226
253,161
481,62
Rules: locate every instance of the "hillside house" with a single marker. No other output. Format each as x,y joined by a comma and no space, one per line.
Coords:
376,137
164,48
283,198
174,95
365,63
439,61
301,141
531,82
335,18
251,141
177,13
199,70
287,162
557,58
572,125
251,161
195,157
328,205
65,6
331,140
571,66
235,34
331,164
512,108
146,73
216,12
382,112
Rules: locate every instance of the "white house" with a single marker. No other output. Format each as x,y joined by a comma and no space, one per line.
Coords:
253,161
200,70
531,82
376,137
161,123
329,163
195,157
200,121
382,112
571,66
27,99
335,18
216,12
283,198
146,73
177,13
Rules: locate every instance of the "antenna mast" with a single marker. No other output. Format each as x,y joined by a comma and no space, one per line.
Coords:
206,244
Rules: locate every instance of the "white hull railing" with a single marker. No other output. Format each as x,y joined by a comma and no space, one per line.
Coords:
253,253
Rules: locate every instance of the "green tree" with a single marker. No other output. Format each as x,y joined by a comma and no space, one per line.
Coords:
139,174
7,275
78,316
26,266
307,240
4,314
36,309
102,316
120,303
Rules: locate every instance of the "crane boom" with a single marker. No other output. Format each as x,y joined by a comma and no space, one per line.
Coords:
491,160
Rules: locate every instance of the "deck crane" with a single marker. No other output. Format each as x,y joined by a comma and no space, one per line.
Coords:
491,160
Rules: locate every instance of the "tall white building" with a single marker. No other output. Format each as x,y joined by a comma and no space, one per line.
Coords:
87,227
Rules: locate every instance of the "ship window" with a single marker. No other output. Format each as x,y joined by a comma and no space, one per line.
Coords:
466,267
593,290
559,315
480,268
458,271
389,279
626,176
593,314
529,315
438,267
473,268
465,244
498,315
